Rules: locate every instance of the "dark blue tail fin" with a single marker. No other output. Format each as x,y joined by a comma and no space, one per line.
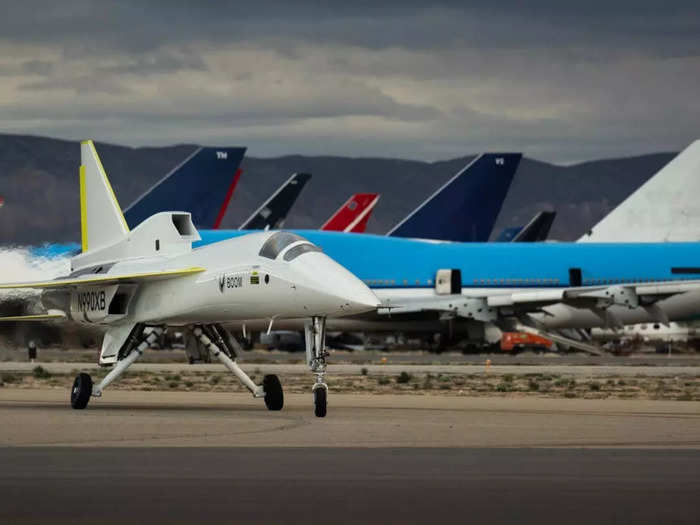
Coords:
508,234
537,229
201,185
534,231
466,207
273,212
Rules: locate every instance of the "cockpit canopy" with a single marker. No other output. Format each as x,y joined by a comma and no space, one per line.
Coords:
280,241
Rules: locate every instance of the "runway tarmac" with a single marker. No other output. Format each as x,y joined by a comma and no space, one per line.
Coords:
183,457
192,419
340,485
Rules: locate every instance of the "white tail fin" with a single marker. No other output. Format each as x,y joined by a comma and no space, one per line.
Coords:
101,220
664,208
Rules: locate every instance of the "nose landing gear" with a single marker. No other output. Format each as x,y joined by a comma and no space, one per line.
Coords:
316,353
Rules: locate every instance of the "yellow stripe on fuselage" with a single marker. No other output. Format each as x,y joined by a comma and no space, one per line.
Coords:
83,211
106,279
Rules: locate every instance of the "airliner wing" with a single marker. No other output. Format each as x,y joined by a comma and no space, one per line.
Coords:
92,279
490,307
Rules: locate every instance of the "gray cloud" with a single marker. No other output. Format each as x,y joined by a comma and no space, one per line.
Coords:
560,81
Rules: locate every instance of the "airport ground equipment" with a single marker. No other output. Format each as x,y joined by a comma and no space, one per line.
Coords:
139,282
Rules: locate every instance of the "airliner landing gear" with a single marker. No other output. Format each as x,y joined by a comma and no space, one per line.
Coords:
316,353
217,341
83,388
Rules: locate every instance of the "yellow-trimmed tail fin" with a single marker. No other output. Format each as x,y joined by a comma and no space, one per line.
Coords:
101,219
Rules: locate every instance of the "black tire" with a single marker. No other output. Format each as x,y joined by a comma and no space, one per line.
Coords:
81,391
320,404
274,397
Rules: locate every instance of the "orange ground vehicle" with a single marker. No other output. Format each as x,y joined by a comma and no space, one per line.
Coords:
520,341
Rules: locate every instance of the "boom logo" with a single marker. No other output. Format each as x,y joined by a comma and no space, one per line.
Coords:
230,281
91,301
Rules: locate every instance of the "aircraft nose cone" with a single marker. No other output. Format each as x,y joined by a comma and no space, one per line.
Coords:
334,289
358,299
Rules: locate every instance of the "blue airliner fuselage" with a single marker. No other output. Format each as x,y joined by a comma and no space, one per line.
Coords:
388,262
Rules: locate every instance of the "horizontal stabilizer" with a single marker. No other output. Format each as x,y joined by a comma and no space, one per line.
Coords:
202,184
466,207
91,279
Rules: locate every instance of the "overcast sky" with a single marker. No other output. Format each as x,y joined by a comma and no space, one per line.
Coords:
560,81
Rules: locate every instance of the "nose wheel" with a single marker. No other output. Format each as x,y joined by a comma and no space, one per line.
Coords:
315,332
320,395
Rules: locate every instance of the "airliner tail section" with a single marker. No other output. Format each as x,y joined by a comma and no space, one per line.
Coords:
202,184
664,208
465,208
537,229
353,215
273,212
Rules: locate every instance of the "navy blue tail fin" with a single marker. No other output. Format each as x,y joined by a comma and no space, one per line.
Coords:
508,234
537,229
201,185
273,212
466,207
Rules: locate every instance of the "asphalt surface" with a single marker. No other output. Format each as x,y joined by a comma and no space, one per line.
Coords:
217,457
316,484
196,419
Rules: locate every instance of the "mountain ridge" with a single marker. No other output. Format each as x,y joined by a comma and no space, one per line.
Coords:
39,183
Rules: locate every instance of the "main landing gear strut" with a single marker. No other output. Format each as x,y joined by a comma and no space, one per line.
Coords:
213,337
216,340
316,353
83,388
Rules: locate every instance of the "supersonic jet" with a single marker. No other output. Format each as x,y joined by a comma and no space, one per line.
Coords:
137,282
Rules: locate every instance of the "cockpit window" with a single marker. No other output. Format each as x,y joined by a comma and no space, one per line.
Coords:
296,251
278,242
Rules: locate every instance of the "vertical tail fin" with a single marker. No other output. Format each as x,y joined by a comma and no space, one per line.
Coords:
101,220
537,229
353,215
665,208
273,212
197,185
466,207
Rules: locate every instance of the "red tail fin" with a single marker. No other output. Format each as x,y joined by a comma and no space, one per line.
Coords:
353,215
